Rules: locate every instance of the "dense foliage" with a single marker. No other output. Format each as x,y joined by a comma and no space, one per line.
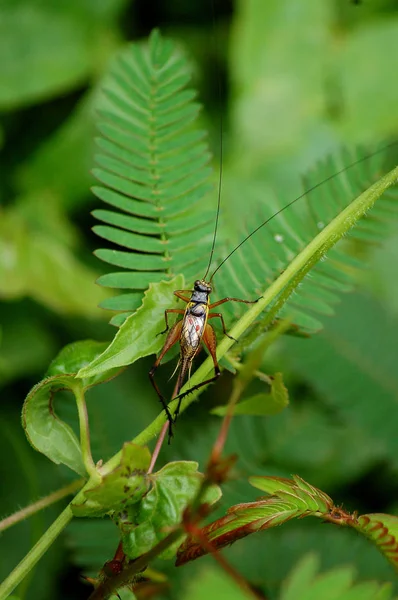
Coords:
290,96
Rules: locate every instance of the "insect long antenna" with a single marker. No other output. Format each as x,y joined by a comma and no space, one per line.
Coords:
221,155
218,204
311,189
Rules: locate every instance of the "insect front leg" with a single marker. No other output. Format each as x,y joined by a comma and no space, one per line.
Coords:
179,311
179,295
172,338
210,341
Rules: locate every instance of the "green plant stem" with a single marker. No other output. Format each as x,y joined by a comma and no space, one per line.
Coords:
85,432
35,507
35,554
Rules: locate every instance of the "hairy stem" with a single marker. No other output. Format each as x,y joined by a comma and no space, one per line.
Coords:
35,554
35,507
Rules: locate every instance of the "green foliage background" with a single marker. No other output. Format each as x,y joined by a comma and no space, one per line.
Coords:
299,79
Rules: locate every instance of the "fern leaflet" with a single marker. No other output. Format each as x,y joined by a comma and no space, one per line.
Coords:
154,169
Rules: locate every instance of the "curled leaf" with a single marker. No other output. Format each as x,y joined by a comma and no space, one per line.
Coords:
43,428
45,431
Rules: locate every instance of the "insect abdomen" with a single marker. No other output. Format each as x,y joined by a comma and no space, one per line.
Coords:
193,327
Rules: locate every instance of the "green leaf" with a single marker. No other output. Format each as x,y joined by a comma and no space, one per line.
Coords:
153,167
276,64
362,334
213,583
378,40
39,256
137,337
315,499
125,485
145,524
301,577
66,42
261,404
279,393
59,167
44,430
28,76
304,583
76,356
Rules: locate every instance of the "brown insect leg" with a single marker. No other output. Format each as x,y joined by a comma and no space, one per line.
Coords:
179,311
172,338
210,341
233,300
180,296
219,315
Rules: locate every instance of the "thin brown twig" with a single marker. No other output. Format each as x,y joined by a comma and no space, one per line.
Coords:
219,444
106,588
159,444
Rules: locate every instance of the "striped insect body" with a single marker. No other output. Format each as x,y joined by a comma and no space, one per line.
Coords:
190,332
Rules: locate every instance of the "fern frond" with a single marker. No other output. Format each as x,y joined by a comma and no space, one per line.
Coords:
268,252
154,169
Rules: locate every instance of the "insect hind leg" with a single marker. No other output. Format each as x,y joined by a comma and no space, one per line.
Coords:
180,398
210,341
179,311
160,396
172,338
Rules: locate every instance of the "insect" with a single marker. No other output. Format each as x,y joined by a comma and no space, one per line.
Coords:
190,332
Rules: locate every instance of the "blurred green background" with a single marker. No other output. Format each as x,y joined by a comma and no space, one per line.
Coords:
298,79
